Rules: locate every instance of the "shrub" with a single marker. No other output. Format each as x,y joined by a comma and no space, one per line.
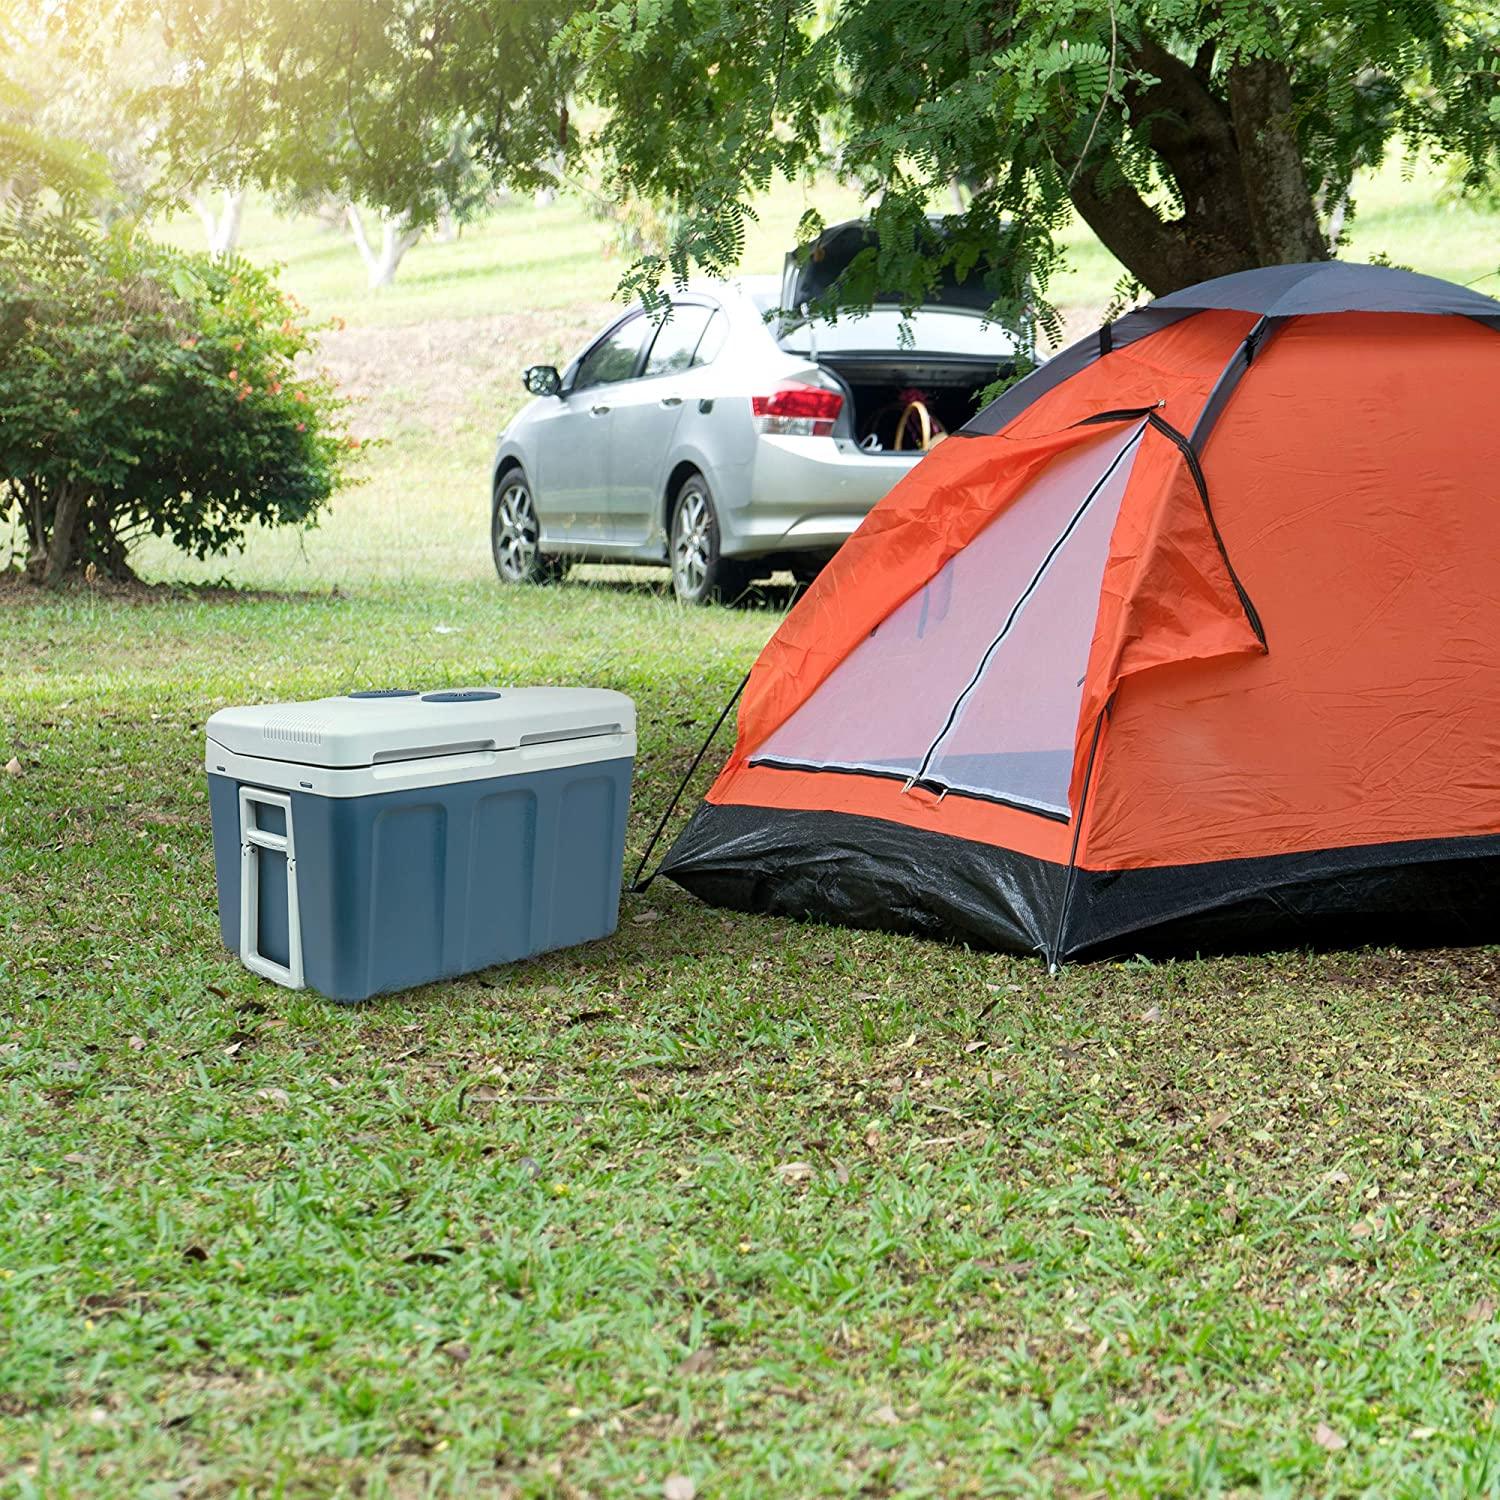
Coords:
147,391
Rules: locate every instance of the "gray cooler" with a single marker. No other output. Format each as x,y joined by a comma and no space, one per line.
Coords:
382,840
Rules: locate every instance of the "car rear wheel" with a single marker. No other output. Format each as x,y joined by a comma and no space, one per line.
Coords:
515,535
700,574
807,565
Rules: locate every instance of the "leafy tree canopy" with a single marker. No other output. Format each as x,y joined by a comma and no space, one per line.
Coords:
387,105
1195,137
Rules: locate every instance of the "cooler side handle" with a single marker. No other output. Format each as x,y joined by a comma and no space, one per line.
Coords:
254,838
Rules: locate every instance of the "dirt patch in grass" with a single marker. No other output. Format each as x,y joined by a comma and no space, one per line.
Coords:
430,372
16,591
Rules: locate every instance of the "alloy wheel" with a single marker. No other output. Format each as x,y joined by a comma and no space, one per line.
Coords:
691,543
516,533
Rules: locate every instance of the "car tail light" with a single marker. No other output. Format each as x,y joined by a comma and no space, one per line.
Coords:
797,410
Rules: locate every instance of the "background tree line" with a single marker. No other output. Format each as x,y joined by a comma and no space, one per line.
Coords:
1195,137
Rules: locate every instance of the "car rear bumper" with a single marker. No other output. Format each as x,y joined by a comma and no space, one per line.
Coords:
808,494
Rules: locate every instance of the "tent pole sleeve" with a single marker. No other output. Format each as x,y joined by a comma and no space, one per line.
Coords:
637,885
1229,378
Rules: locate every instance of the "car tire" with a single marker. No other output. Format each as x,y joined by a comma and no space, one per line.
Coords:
806,566
515,534
700,573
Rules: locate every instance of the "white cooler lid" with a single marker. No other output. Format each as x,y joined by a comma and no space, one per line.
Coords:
372,728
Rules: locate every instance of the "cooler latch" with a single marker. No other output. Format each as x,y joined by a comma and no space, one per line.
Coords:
256,843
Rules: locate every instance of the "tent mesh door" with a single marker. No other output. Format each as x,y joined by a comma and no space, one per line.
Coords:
973,684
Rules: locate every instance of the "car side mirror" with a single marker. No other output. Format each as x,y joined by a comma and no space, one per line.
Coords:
542,380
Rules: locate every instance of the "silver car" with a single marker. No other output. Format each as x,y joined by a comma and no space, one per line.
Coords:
730,440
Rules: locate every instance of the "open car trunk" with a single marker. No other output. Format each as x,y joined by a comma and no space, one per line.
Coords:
942,355
879,390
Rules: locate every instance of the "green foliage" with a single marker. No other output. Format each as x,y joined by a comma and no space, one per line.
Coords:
147,391
34,162
394,107
1194,138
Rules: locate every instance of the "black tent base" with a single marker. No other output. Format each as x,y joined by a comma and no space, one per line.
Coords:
862,872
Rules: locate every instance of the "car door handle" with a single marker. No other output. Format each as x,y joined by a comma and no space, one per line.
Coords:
598,411
671,400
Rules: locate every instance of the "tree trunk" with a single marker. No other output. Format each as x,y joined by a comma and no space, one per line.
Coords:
1163,255
54,566
395,240
447,227
221,226
1336,220
1235,164
1283,218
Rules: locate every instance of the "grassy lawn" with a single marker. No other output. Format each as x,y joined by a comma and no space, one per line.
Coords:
782,1209
722,1204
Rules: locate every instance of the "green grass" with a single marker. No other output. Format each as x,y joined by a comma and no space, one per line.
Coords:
783,1209
1135,1230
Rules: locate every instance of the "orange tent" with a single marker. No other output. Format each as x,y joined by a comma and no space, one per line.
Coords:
1189,641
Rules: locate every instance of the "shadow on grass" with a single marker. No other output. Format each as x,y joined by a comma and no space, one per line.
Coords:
16,590
647,583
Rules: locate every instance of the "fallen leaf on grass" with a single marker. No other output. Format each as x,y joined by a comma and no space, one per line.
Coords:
699,1361
679,1487
1483,1311
1327,1439
643,917
274,1095
1421,1434
12,767
585,1016
795,1171
458,1351
105,1302
486,1093
137,1043
1154,1014
167,819
439,1257
1216,1120
885,1416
